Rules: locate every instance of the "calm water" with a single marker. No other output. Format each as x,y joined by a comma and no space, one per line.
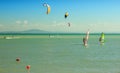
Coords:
60,54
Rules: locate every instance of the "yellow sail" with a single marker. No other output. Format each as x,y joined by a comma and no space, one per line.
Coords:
102,36
48,8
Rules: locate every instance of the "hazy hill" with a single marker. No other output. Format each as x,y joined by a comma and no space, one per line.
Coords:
34,31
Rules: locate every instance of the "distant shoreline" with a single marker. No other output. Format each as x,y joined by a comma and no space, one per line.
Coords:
57,33
51,35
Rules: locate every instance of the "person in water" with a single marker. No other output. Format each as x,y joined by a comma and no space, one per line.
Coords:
85,39
101,39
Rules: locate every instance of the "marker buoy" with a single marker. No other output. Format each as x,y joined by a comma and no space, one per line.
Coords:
18,59
28,68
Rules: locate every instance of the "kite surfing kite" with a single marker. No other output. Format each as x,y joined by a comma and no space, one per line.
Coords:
68,24
48,8
66,14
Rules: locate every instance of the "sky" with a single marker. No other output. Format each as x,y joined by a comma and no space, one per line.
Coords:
95,15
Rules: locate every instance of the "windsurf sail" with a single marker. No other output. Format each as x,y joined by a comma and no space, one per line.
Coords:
102,37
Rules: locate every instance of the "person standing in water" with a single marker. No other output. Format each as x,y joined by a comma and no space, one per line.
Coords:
101,39
85,39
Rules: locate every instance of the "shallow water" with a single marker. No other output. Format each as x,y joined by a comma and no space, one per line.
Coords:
60,54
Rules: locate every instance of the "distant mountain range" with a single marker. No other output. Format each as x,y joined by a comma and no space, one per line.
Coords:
37,31
33,31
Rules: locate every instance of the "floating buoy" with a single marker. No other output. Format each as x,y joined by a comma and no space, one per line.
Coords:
28,67
18,59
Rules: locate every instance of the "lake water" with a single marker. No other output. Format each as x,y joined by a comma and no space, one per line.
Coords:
60,54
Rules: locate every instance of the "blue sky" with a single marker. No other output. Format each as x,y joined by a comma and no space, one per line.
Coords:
96,15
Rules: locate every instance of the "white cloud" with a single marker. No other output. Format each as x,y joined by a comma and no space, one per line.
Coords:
25,22
59,24
18,22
